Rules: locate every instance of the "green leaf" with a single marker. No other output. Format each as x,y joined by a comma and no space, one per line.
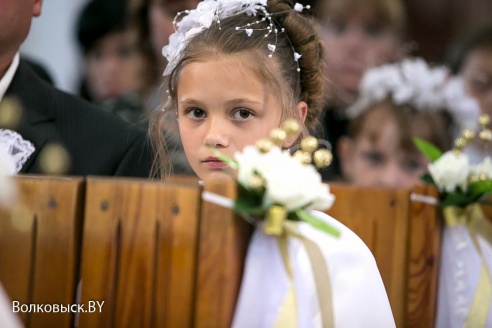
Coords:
317,223
480,188
459,199
429,150
427,178
244,206
224,158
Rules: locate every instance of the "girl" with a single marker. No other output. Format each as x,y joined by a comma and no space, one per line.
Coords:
398,102
238,69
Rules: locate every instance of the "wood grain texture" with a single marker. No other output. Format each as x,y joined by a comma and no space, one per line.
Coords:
380,218
423,260
404,237
139,253
222,250
40,245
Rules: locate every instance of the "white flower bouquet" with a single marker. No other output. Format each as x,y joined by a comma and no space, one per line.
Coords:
270,181
463,189
460,183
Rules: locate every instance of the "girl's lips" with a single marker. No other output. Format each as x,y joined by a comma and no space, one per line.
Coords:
214,162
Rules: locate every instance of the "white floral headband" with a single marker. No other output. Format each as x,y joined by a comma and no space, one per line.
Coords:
413,82
208,11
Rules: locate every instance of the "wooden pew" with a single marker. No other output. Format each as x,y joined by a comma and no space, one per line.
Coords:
404,236
157,255
40,246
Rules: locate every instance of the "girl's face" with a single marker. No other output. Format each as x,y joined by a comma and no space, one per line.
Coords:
477,73
223,104
375,158
353,44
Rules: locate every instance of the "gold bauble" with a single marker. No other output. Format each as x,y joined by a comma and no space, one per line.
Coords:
303,157
10,113
473,178
485,135
291,127
256,182
264,145
309,144
468,134
322,158
484,120
54,159
460,143
278,136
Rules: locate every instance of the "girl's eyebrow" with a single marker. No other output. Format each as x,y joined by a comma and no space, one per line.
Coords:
191,101
243,101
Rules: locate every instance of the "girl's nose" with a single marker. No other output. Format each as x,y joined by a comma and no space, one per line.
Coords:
216,135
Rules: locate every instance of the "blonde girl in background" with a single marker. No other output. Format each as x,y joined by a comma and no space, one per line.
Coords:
238,69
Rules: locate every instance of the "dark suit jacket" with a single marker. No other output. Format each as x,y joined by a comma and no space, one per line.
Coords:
98,143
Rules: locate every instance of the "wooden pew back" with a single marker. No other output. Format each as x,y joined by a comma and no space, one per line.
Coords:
158,255
40,246
404,236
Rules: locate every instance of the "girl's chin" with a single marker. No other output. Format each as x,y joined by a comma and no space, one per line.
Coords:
215,175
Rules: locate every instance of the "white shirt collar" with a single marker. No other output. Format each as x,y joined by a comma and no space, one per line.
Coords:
8,76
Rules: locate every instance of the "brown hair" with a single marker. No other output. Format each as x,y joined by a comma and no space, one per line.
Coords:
431,126
390,12
280,71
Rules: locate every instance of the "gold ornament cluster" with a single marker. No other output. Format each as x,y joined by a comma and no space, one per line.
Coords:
310,151
468,136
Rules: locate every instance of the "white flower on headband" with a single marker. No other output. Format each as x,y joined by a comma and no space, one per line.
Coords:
209,11
201,18
413,82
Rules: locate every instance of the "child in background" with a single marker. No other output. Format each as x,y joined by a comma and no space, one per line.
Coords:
238,69
114,65
471,58
398,102
358,35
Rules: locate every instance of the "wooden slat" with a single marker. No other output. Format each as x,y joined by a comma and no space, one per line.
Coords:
139,253
222,251
381,218
40,244
423,261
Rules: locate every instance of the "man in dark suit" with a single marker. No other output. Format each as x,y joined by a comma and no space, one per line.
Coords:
97,143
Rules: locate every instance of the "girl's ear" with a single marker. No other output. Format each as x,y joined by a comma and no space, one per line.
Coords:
302,109
345,152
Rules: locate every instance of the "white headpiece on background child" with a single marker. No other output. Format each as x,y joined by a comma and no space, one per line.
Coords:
413,82
209,11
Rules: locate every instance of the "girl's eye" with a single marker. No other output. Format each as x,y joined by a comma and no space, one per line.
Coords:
197,113
374,158
242,114
373,30
412,165
337,28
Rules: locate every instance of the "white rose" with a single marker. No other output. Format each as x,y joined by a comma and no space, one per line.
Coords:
287,181
248,160
450,171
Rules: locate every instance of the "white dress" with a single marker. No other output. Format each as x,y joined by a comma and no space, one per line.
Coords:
7,317
358,295
458,277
